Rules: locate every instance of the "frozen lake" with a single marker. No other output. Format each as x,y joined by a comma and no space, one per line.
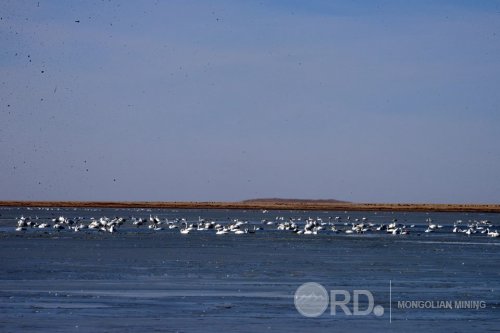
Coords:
138,279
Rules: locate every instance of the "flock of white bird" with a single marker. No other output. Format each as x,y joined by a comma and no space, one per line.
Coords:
310,226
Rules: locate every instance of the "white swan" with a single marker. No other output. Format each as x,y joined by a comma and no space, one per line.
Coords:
493,233
222,231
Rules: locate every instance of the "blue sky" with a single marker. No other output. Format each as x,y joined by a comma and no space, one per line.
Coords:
366,101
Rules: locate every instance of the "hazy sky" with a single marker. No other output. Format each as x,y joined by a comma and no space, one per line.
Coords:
366,101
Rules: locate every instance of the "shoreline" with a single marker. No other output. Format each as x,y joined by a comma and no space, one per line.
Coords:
261,205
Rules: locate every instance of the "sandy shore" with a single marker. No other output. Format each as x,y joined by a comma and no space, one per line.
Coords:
269,205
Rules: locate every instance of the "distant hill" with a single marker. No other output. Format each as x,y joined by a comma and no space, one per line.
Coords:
293,201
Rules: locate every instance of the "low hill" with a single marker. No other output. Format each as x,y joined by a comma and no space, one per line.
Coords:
293,201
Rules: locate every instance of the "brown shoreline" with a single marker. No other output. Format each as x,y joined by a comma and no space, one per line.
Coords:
259,205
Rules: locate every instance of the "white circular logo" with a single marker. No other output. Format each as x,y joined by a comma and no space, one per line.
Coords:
378,310
311,299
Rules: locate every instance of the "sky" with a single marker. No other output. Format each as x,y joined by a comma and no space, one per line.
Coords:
363,101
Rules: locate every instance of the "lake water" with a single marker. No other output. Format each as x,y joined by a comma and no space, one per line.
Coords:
138,279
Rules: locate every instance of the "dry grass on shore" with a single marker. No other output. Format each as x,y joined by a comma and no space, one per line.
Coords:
269,204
